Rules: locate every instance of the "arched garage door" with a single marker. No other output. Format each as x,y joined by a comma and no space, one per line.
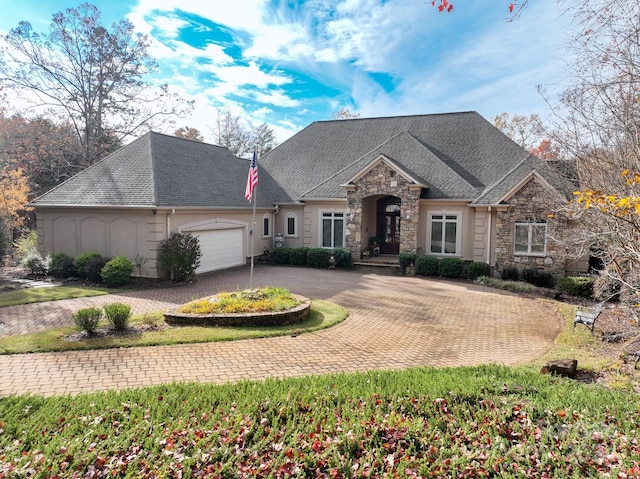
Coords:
220,249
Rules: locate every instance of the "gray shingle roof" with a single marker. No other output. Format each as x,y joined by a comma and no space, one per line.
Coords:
457,155
164,171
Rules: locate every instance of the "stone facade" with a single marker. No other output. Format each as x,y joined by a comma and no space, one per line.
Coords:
382,180
531,202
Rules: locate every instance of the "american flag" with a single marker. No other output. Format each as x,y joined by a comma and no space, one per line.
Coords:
252,179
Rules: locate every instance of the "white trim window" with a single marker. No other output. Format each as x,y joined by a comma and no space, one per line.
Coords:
332,229
530,238
291,224
444,233
266,225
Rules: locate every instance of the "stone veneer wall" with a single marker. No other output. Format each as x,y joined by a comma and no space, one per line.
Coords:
532,201
379,181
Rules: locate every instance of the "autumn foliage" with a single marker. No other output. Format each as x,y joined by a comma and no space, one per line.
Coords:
14,191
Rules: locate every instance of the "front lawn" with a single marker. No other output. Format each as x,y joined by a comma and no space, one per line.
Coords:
53,293
152,331
487,421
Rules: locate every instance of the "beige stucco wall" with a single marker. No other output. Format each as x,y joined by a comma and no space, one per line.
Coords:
467,225
312,212
296,240
132,232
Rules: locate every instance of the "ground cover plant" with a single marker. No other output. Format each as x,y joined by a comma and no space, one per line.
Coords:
268,299
54,293
150,330
487,421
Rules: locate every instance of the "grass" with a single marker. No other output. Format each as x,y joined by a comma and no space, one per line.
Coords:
323,315
487,421
54,293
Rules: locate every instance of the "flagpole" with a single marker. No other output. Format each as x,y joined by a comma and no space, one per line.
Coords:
254,192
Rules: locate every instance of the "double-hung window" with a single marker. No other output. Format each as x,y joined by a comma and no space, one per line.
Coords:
530,237
332,230
444,234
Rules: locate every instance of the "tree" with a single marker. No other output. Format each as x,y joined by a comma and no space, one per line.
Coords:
230,132
515,8
599,118
14,196
528,132
90,76
189,133
344,113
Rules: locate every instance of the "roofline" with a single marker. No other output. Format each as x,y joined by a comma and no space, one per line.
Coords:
382,158
533,173
152,207
399,116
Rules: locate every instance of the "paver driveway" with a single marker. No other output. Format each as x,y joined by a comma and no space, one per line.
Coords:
395,322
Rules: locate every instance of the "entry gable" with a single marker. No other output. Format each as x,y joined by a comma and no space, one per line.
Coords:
391,166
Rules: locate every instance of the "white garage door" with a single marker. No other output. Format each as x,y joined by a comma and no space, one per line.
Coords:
220,249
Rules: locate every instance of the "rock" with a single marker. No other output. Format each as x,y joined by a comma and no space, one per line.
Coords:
561,367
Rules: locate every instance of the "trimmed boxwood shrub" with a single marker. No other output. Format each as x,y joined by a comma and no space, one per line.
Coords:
88,319
282,255
406,259
451,267
538,278
299,256
510,274
61,266
80,262
118,315
318,258
343,258
477,269
117,271
577,285
427,266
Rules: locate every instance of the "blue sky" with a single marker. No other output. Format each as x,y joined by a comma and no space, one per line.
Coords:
288,63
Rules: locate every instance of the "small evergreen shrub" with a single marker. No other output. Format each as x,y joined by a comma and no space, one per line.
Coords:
87,319
343,258
117,271
299,256
26,246
318,258
406,259
451,267
36,264
607,288
61,265
577,286
427,266
93,268
282,255
80,262
118,315
477,269
538,278
510,274
179,256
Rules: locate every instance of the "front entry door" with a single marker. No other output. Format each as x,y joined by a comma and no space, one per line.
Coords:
389,224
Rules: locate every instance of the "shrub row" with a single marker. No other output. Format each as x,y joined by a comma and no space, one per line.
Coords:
91,266
118,315
443,267
312,257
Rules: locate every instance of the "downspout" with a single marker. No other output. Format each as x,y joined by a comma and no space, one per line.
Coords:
169,215
273,236
489,237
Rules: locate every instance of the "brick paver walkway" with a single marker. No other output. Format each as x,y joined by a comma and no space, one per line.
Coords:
395,322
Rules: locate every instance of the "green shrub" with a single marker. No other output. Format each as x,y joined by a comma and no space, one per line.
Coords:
26,246
510,274
118,315
282,255
318,258
80,262
406,259
93,268
513,286
299,256
477,269
87,319
451,267
343,258
117,271
179,256
5,240
427,266
577,286
36,264
538,278
61,265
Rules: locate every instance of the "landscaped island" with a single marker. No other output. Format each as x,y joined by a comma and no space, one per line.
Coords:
269,306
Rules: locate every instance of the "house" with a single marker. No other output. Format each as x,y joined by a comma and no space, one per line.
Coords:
443,184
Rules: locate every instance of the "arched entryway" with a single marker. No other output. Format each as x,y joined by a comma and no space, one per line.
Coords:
388,224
